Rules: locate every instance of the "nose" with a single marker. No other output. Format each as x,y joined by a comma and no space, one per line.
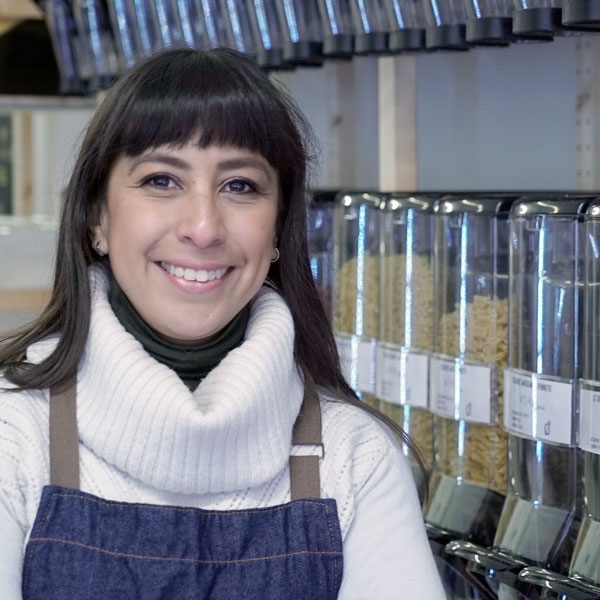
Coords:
201,220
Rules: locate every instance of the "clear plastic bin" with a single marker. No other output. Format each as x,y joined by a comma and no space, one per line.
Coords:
471,342
320,227
406,319
338,29
446,25
356,288
406,24
542,511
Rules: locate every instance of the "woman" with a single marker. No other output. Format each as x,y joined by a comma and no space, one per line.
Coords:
185,327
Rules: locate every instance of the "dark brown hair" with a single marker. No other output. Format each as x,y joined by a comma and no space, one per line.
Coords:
223,98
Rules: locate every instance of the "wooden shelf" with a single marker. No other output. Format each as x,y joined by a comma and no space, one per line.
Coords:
13,300
19,9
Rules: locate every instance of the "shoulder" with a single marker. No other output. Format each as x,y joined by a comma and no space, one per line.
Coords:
24,461
358,448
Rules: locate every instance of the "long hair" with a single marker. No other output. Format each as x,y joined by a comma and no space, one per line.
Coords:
176,97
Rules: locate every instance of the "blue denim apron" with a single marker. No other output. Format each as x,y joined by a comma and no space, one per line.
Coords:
86,548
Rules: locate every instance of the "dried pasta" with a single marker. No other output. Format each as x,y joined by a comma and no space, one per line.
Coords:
476,452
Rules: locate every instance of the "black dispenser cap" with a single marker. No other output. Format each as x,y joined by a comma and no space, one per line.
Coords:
584,14
406,40
446,37
489,31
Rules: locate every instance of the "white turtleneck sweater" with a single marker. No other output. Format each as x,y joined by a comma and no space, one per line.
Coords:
144,437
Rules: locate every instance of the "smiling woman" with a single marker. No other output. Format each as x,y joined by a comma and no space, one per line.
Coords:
176,424
194,226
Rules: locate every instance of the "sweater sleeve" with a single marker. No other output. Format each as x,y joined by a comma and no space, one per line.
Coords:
386,552
11,552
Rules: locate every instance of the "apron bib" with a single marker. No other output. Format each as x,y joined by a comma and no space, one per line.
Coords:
88,548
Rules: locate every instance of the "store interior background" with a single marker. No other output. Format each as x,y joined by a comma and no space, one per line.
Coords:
523,118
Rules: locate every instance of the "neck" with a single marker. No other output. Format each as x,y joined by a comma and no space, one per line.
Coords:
192,361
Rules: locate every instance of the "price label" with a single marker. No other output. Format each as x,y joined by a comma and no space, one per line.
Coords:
358,360
589,418
458,390
402,376
538,407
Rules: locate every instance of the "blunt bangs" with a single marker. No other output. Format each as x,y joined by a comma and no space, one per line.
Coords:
208,98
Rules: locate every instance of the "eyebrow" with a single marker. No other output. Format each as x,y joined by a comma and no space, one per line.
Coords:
224,165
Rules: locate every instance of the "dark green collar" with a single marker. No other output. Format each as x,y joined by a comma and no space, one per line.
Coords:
191,362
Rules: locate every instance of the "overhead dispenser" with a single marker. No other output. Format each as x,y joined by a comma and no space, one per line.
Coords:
67,47
127,36
407,25
338,28
192,28
320,228
239,32
582,14
407,320
356,288
301,29
446,25
267,34
370,26
468,482
97,41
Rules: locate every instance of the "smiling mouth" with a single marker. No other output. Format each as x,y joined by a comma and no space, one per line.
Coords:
193,274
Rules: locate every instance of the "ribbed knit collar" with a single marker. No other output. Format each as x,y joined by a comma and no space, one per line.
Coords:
192,361
231,433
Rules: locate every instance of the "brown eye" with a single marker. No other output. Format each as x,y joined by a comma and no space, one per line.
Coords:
240,186
159,181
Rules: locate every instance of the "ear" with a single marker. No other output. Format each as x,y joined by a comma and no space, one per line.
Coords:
99,233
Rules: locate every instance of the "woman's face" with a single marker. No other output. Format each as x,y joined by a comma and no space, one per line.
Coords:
189,233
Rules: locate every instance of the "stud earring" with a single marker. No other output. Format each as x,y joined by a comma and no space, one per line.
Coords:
97,248
274,260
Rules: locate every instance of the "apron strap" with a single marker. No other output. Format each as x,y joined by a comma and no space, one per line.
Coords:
304,469
64,440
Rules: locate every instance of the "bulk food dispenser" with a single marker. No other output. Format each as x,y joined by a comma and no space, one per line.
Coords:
93,24
370,26
446,28
338,29
301,31
541,513
468,482
407,24
489,22
583,582
240,34
320,228
269,43
406,320
356,288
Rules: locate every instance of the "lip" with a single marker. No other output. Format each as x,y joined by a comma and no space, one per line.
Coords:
196,287
197,266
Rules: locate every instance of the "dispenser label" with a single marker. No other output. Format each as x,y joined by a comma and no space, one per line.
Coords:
589,419
458,390
538,407
358,359
402,376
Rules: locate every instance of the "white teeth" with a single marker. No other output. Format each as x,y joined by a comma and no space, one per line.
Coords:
192,274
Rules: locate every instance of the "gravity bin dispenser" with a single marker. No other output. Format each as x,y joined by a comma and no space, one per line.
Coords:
406,321
543,507
583,580
468,482
407,24
320,227
446,25
356,288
